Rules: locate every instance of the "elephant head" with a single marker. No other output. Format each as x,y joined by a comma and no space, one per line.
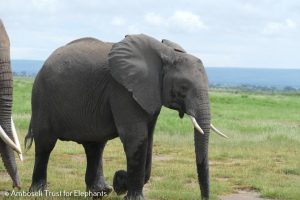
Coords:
162,73
8,138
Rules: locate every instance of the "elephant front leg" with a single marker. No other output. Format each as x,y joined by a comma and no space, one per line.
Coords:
148,160
151,127
135,141
94,177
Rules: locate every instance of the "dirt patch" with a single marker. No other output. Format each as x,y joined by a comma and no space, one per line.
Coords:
76,157
4,177
228,162
2,193
156,178
146,188
243,195
222,179
162,158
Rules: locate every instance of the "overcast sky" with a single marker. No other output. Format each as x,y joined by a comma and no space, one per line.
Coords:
235,33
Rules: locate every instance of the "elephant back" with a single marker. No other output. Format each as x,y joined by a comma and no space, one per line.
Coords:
86,51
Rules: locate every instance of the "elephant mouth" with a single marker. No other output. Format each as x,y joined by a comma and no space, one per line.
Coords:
180,107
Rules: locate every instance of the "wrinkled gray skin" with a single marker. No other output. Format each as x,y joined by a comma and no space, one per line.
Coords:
6,89
90,92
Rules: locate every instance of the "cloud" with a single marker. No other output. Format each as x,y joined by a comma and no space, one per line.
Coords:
153,19
133,29
126,25
273,28
187,21
290,23
182,21
118,21
246,28
248,7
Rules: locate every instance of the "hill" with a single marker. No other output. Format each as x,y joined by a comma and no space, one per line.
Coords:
26,67
218,76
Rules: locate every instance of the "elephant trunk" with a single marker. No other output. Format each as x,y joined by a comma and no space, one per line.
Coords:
6,90
201,111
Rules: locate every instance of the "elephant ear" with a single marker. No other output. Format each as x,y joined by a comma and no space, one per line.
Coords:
173,45
135,63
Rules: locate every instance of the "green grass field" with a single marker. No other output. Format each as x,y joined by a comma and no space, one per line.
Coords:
262,154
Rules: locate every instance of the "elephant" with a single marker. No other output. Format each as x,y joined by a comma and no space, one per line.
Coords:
9,141
90,91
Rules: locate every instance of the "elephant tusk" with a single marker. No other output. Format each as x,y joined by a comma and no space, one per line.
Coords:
8,141
196,125
217,131
16,139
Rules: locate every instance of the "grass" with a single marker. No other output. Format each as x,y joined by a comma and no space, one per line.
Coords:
262,153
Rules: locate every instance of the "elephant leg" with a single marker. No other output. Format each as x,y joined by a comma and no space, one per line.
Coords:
43,147
94,177
120,177
135,142
151,127
131,122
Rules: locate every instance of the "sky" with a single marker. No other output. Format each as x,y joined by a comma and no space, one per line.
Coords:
222,33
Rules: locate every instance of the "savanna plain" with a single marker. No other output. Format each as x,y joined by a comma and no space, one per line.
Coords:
262,153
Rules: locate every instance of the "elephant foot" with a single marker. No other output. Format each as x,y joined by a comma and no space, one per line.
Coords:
100,190
120,182
17,185
134,197
39,186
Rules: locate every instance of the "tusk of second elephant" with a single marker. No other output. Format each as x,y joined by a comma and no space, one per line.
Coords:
16,139
8,141
217,131
196,125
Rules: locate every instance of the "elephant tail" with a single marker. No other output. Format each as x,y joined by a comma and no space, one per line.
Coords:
29,138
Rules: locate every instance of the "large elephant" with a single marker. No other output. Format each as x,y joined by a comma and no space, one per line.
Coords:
8,138
91,91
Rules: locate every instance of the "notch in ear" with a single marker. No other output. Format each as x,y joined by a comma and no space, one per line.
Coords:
173,45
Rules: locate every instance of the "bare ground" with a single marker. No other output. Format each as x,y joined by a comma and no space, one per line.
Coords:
243,195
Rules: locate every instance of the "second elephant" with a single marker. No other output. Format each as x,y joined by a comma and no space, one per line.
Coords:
91,91
9,141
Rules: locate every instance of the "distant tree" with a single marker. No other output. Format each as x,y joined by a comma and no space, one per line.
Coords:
289,88
23,73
